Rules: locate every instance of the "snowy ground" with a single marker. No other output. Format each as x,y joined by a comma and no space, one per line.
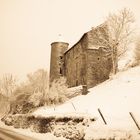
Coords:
115,98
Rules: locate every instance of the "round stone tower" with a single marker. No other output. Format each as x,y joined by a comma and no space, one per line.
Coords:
57,59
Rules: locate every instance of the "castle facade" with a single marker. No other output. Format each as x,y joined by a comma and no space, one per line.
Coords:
88,62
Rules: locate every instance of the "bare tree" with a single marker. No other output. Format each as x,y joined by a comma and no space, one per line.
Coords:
116,33
31,93
7,85
137,52
39,82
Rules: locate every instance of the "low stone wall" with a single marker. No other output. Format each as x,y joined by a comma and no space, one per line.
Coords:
70,127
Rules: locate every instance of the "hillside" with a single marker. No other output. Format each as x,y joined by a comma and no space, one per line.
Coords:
115,98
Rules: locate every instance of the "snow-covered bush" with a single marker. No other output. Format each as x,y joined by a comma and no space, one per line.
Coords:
58,92
21,104
74,91
30,94
4,105
70,131
68,126
36,98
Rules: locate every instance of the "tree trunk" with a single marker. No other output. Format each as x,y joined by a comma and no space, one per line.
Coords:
114,60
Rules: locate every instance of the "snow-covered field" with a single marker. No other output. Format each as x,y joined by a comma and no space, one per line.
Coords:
115,98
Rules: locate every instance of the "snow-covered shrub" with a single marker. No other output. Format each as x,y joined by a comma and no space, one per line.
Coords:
20,104
58,92
36,98
30,94
64,125
74,91
71,126
69,131
8,120
4,105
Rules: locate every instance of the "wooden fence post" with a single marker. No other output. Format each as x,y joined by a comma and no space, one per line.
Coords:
73,106
132,116
84,90
102,116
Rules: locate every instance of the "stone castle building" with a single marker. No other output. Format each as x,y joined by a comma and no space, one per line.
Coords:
88,62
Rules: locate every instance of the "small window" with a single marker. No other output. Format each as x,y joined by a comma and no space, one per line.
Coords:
60,70
76,82
61,57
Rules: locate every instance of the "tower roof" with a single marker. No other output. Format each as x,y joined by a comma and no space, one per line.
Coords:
60,40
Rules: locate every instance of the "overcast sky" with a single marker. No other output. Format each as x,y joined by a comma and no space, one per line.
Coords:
27,28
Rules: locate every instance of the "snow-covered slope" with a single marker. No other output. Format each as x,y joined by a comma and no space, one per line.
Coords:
115,98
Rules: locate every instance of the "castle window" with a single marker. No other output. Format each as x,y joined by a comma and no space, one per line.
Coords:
76,82
61,57
60,71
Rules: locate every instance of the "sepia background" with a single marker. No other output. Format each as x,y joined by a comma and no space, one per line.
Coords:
27,27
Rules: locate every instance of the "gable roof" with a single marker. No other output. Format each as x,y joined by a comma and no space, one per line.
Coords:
104,25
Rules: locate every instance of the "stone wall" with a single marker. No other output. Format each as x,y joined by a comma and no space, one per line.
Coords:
88,62
99,66
98,56
74,60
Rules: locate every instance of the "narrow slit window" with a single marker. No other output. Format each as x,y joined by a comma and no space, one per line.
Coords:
60,70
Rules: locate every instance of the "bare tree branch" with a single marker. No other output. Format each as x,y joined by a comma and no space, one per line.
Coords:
118,30
7,85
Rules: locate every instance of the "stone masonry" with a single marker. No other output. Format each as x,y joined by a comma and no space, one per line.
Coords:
88,62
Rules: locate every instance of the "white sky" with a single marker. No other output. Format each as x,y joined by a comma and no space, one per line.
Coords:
27,28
